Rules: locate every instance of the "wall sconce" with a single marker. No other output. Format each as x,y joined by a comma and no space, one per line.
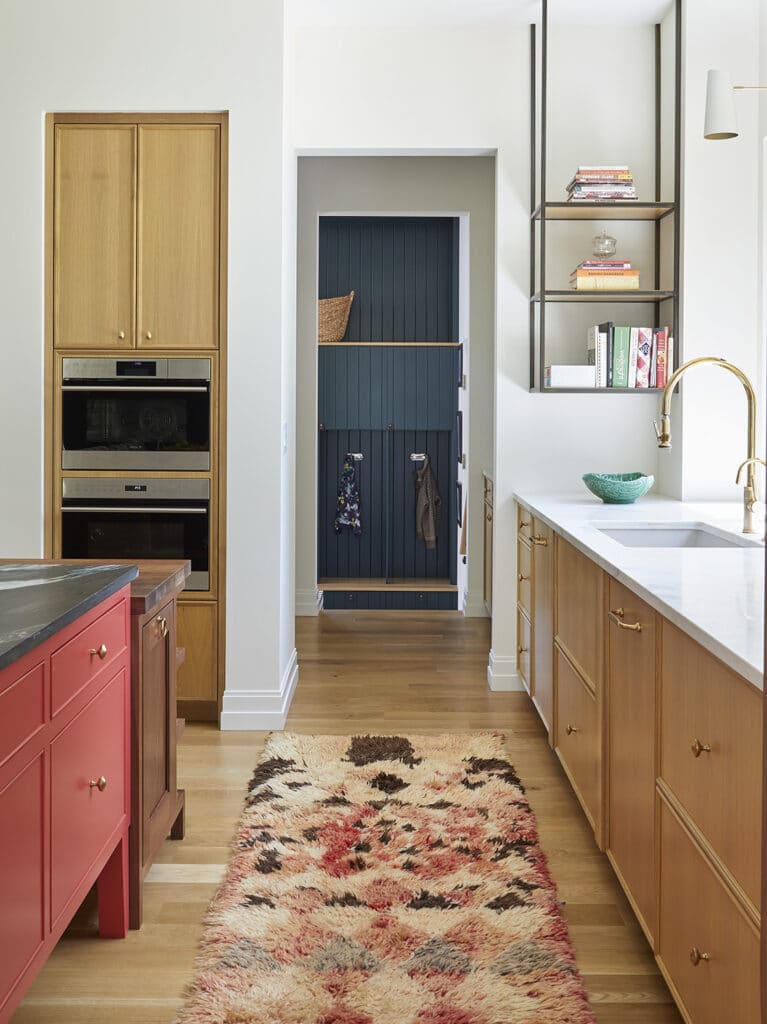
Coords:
721,122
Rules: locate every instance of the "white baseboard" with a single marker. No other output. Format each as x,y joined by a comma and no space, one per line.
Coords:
474,606
502,673
260,710
309,602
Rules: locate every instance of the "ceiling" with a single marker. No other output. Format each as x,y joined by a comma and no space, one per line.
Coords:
371,13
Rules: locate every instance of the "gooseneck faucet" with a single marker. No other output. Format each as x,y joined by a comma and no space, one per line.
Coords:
664,431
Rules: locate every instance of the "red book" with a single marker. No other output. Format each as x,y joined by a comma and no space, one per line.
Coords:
661,357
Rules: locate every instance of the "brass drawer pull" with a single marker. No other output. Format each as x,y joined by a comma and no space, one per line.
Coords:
699,748
538,539
100,783
522,650
523,578
570,729
101,651
696,956
162,626
523,525
616,616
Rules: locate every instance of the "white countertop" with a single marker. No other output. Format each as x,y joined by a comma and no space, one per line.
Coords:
716,595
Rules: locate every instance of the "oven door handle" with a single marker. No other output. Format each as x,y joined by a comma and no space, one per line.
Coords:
159,389
133,508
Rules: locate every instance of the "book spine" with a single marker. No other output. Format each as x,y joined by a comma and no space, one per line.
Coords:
644,355
621,357
633,354
654,359
602,360
606,284
607,329
605,272
661,358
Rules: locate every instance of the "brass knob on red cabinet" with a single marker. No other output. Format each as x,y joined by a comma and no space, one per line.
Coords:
699,748
100,783
696,956
101,651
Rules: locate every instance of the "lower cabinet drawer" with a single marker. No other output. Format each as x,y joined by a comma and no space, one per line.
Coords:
75,664
524,648
577,735
707,945
87,788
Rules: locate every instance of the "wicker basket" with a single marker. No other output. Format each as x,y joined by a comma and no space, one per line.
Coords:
333,318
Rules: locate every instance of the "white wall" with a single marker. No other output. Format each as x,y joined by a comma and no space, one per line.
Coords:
468,88
176,55
438,185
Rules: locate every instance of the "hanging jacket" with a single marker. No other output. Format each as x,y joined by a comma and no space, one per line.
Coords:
348,504
428,505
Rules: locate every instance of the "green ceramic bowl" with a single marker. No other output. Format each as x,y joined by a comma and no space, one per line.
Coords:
618,488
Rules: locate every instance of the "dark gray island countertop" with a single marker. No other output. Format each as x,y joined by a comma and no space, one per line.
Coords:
37,601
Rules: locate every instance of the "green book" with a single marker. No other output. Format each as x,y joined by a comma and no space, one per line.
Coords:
621,347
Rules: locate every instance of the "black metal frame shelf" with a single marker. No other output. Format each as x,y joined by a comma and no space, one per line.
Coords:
655,213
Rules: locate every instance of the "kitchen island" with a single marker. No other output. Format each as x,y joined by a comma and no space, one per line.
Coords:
640,642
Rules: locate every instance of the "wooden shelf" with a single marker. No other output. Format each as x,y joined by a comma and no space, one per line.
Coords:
604,211
570,295
381,584
604,391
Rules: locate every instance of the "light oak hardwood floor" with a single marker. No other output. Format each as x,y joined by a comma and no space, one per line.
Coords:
359,672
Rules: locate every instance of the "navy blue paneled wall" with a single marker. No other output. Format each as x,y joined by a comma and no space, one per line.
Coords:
403,271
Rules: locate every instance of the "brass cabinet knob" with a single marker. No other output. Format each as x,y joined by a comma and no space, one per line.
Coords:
570,729
148,335
696,956
523,578
699,748
523,525
538,539
121,335
100,783
489,516
101,651
162,626
522,650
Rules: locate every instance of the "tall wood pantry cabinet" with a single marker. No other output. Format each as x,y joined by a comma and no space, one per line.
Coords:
136,263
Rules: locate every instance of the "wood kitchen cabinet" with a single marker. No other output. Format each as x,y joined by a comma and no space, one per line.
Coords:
543,622
94,236
632,635
136,235
197,677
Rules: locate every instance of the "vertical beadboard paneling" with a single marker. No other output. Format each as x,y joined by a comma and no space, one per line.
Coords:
403,273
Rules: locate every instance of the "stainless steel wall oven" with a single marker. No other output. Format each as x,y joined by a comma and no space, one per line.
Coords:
138,517
136,414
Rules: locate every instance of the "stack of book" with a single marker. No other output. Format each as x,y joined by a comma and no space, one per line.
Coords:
604,275
605,184
619,357
630,357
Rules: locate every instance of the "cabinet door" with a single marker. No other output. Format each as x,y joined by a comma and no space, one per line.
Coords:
578,740
178,236
579,611
158,682
487,570
198,635
94,243
631,747
543,620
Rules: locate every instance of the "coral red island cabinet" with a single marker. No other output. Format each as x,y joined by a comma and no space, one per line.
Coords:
64,789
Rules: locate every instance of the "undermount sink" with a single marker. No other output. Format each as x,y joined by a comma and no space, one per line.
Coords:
674,535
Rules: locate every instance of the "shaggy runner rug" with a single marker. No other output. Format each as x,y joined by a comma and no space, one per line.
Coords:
386,880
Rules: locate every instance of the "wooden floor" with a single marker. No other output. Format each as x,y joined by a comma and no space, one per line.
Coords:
359,672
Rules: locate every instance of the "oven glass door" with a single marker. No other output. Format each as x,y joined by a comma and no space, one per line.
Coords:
163,425
107,530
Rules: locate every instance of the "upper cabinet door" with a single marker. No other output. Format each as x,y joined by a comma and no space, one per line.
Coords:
94,236
178,236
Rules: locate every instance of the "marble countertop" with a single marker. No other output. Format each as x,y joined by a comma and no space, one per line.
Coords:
37,601
716,595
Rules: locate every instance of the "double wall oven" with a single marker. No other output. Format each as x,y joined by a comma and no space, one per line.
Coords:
123,419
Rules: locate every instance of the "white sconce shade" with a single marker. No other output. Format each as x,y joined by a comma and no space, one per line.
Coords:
720,107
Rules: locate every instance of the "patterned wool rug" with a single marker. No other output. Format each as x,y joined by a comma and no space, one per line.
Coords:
386,880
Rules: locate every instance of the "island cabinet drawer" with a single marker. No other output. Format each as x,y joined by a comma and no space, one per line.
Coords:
578,736
707,946
524,647
93,650
87,787
524,576
711,724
